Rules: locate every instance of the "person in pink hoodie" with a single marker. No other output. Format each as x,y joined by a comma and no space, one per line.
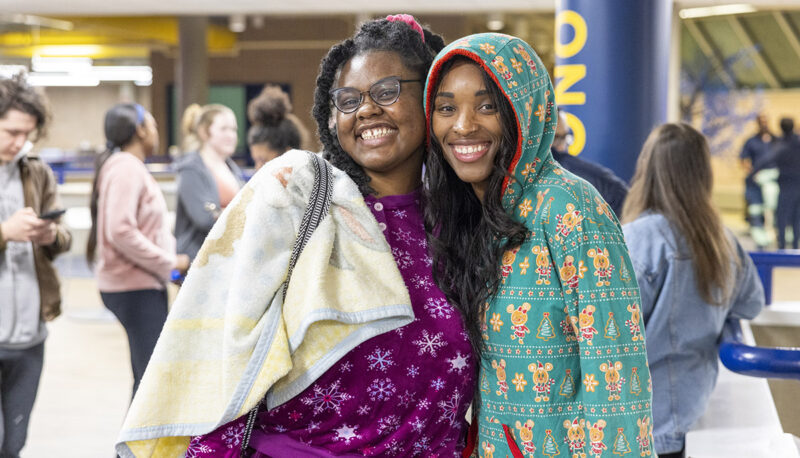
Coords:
130,243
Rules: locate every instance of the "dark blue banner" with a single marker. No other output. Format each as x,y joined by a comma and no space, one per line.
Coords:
611,76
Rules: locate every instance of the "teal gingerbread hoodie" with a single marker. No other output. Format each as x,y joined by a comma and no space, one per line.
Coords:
565,370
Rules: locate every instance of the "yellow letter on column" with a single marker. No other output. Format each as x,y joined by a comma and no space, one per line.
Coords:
566,76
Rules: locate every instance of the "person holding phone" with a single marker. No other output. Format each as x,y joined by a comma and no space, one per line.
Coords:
28,244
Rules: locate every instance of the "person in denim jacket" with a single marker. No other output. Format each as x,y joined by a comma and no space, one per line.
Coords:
691,277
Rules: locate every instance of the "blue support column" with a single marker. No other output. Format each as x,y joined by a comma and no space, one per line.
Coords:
611,75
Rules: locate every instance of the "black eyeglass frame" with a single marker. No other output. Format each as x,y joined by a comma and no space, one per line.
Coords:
396,79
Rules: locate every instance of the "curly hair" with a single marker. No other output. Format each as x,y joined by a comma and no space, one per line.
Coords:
376,35
17,94
272,121
467,237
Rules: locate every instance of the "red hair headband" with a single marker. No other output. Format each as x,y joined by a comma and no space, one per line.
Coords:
408,19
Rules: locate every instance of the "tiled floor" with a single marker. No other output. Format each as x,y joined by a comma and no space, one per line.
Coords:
86,383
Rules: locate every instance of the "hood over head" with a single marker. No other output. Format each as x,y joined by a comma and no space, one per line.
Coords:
519,73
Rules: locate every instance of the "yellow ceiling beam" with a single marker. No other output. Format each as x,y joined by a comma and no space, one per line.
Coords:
110,36
93,51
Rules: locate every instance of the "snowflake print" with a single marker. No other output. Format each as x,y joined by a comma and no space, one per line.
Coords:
380,359
449,408
421,282
437,384
424,404
417,425
314,425
428,261
281,429
400,331
406,399
345,367
437,307
233,435
363,410
403,258
458,363
388,424
403,236
381,390
393,448
412,371
329,398
295,415
198,450
420,446
430,343
347,433
400,214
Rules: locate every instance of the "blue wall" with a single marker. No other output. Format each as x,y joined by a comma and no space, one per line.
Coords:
611,75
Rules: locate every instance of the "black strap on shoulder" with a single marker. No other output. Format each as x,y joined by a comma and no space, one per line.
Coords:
318,205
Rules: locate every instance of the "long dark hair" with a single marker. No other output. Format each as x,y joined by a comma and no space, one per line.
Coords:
467,238
377,35
120,126
673,178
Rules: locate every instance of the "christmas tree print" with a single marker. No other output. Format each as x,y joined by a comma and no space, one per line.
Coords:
550,447
636,384
567,387
485,384
621,446
545,329
624,275
611,330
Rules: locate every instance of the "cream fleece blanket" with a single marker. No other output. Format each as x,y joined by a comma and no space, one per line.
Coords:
231,338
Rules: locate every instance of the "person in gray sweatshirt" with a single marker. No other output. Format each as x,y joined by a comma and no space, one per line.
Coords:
30,238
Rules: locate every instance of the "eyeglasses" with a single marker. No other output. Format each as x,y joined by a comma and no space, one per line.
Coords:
385,92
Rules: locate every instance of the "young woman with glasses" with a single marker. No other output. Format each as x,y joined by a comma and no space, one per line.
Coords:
405,391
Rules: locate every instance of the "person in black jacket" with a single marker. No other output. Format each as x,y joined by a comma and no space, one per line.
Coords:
610,186
785,154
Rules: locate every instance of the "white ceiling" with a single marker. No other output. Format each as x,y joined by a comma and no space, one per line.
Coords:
301,7
294,7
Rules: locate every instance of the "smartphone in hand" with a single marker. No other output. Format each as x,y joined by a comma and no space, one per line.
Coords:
53,214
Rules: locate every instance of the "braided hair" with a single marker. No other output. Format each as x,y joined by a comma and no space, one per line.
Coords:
376,35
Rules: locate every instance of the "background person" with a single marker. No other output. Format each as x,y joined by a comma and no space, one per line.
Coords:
692,275
610,186
755,150
275,129
130,243
29,285
208,179
785,157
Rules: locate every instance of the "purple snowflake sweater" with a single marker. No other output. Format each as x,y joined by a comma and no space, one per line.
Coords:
403,393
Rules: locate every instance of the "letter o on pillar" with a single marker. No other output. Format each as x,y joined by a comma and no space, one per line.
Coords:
578,24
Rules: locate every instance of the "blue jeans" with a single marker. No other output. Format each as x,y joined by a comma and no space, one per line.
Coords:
19,380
